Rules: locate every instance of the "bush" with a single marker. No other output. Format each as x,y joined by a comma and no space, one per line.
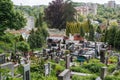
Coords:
111,68
112,78
80,69
93,67
92,77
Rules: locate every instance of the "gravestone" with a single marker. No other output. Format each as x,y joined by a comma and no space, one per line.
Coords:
47,69
118,64
65,75
102,55
103,72
26,72
2,58
68,61
9,66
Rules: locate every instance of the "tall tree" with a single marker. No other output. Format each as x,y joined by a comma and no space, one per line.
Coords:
91,33
58,13
111,35
82,33
117,40
39,20
9,18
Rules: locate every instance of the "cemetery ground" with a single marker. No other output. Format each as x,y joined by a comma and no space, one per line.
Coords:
70,61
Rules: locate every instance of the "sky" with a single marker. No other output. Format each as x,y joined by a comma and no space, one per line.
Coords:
46,2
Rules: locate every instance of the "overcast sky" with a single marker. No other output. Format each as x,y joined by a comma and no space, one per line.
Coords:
39,2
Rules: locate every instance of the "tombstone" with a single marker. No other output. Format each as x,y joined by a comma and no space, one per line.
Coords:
26,72
2,58
102,55
68,61
57,59
106,60
103,72
9,66
118,64
65,75
47,68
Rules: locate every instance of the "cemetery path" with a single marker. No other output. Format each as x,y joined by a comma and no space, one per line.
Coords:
80,74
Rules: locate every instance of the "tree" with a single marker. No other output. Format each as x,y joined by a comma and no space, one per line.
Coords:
23,46
98,30
82,33
58,13
117,40
37,38
39,20
111,35
9,18
91,33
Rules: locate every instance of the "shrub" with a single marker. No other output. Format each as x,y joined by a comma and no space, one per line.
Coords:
112,78
91,77
111,68
80,69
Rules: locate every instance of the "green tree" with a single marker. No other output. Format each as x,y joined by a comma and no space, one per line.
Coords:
91,33
98,30
111,35
82,33
23,46
39,20
9,17
37,38
117,40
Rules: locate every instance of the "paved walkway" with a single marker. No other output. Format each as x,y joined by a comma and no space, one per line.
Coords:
80,74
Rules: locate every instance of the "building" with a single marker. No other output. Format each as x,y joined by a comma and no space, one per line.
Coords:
88,8
110,4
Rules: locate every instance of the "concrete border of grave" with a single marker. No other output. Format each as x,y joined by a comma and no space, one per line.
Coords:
65,75
26,72
9,66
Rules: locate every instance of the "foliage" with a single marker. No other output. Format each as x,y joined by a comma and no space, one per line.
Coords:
111,68
111,35
23,46
117,40
112,78
82,33
79,69
9,17
91,33
91,77
37,38
58,13
39,20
